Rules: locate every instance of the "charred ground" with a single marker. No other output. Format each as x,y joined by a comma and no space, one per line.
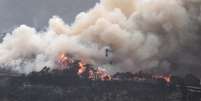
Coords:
67,85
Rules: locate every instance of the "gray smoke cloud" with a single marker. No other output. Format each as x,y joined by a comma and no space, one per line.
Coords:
153,35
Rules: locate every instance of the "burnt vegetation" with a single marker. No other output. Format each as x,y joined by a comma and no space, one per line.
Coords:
67,85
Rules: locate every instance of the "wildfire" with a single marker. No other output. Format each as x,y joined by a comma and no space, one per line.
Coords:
63,60
81,68
103,74
99,73
167,78
93,74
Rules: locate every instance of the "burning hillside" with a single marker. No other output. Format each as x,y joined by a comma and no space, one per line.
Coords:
152,39
137,35
92,73
76,79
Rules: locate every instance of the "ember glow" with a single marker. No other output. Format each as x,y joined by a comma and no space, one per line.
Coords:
166,78
63,60
81,68
93,73
103,74
99,73
96,72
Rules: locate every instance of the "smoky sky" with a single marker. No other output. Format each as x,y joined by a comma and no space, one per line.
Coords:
36,13
158,35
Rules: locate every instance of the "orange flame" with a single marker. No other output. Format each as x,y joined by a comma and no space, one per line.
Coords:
63,60
93,74
102,73
167,78
81,68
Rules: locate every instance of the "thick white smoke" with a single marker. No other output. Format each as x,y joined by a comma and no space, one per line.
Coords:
142,34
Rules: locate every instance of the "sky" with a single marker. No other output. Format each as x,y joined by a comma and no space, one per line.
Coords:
36,13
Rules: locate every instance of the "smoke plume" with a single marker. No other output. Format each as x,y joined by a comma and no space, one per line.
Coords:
141,35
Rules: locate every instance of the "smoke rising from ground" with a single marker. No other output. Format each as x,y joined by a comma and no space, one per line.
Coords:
142,34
